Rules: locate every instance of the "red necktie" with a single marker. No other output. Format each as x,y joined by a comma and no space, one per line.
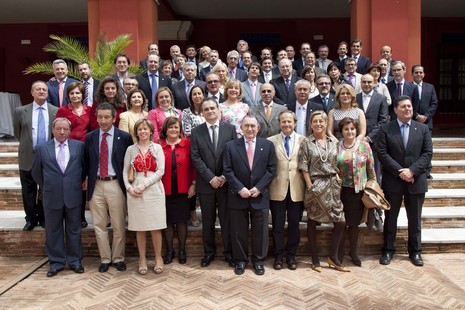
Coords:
104,156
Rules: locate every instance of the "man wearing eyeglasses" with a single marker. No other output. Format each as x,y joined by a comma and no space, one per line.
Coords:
213,87
325,98
352,75
129,83
267,112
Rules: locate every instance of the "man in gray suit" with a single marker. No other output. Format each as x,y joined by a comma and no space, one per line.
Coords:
32,125
58,169
267,112
207,144
251,87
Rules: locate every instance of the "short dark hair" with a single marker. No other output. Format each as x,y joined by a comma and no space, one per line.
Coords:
106,106
346,121
170,121
399,99
146,122
122,55
131,93
73,85
415,66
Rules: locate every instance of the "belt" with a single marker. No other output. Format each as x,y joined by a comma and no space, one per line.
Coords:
107,178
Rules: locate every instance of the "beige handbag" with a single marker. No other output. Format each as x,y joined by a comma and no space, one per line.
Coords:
373,197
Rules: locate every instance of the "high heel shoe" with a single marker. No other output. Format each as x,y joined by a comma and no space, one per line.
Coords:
356,261
158,269
169,257
182,257
337,267
142,270
316,268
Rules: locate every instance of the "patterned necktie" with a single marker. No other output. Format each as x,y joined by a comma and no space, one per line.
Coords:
352,80
288,84
104,156
231,74
41,133
60,92
250,153
86,93
286,145
325,101
61,157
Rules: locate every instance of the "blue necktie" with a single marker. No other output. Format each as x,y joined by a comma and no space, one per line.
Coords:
405,132
41,136
286,145
154,88
288,84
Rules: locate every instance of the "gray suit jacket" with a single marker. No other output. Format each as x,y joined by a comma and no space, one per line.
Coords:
271,127
247,93
22,123
376,115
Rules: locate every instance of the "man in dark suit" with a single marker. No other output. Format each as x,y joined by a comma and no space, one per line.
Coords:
233,71
303,107
427,102
385,69
58,168
90,84
182,88
400,86
342,55
151,81
211,184
57,86
284,85
213,56
249,172
376,113
299,63
104,151
267,73
152,47
267,112
405,151
325,98
213,87
363,63
310,61
30,129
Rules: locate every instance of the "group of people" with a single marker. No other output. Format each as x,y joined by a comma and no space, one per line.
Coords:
244,137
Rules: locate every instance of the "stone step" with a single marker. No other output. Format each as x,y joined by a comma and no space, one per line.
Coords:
445,197
434,218
9,170
449,154
448,166
9,158
449,142
447,180
9,147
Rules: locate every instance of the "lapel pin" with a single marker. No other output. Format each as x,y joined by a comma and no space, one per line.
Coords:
261,149
118,138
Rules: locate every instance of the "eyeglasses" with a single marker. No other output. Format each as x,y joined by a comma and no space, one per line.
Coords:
266,91
323,83
213,82
350,65
209,109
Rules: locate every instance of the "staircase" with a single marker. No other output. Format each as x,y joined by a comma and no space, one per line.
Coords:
443,217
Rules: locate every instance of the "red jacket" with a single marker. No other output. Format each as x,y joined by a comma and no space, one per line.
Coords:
80,125
186,172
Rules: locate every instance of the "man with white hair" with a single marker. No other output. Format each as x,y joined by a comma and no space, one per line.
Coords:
57,86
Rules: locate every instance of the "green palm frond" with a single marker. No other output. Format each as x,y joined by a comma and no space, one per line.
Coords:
67,48
40,67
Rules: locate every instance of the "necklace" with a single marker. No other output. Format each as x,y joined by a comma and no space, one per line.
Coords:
324,156
347,147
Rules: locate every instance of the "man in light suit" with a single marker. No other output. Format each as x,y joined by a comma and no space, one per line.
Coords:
145,80
362,62
57,86
104,151
400,86
405,151
325,98
249,172
284,85
286,192
303,107
27,131
181,89
211,184
268,120
251,87
233,71
375,107
58,168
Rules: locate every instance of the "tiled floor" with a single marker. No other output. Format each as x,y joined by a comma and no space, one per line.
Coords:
440,284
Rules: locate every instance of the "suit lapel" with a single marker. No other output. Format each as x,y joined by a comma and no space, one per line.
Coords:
240,144
280,144
52,154
206,136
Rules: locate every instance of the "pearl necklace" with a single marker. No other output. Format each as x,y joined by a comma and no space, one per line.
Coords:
323,157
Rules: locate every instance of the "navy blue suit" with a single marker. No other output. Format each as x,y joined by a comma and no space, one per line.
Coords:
53,97
363,63
181,100
144,85
62,199
285,96
408,89
331,102
428,103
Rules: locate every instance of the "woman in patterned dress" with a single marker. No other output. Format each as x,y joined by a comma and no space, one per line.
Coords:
317,162
232,109
356,167
346,106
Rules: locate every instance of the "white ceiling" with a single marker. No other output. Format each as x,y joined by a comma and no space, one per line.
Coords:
53,11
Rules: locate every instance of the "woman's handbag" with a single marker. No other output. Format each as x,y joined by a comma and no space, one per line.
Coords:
373,197
131,174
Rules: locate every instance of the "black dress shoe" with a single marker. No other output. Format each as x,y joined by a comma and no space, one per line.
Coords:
385,258
206,260
120,266
104,267
230,261
42,224
259,269
240,268
29,226
169,257
292,264
84,224
77,269
52,273
182,258
278,264
416,259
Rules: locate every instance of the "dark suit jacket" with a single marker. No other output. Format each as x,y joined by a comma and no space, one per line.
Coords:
298,64
121,141
55,184
261,77
428,103
409,89
271,127
342,63
311,107
239,175
394,156
285,96
240,75
208,162
203,73
22,125
363,63
318,71
144,85
376,115
219,94
53,97
331,102
181,100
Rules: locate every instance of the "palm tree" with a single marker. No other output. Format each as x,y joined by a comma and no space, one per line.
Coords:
74,51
